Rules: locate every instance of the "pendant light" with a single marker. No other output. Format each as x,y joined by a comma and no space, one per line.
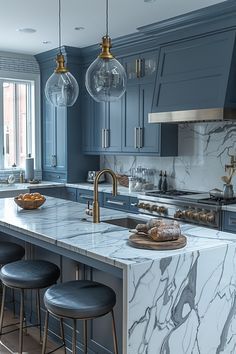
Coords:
105,78
61,88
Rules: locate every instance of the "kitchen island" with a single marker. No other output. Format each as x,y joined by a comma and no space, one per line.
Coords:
177,302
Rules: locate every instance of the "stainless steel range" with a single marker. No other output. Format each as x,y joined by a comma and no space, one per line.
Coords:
196,208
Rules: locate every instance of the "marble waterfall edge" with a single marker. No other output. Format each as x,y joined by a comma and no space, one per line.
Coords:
184,304
200,163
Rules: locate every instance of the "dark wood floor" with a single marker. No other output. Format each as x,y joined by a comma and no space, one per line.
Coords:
9,343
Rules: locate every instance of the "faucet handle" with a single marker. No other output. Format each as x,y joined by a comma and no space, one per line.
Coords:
89,211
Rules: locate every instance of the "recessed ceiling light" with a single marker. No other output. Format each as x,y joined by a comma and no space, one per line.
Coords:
46,42
79,28
26,30
149,0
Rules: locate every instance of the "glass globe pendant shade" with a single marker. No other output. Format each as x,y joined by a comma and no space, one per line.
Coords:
105,78
61,88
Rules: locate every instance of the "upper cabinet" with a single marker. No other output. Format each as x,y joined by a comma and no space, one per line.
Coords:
194,74
141,67
122,126
63,159
139,136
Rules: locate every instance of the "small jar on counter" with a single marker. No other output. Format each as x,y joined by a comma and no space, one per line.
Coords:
132,183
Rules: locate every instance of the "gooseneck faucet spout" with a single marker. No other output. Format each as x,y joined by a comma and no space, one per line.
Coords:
96,208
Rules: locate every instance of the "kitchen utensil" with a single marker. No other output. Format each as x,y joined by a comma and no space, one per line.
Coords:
91,177
228,191
216,193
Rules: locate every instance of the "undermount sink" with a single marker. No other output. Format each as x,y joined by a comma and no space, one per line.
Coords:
128,222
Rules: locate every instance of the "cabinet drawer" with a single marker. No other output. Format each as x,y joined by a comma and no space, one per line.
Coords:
133,205
85,196
229,221
119,202
69,193
51,192
54,176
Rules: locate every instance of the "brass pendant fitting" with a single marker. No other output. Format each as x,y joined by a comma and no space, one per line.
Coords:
60,69
106,45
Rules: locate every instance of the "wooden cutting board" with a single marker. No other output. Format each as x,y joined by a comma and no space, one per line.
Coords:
138,241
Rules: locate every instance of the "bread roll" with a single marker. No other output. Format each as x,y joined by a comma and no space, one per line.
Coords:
142,228
164,233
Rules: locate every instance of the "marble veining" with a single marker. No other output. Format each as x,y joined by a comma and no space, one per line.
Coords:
176,302
203,149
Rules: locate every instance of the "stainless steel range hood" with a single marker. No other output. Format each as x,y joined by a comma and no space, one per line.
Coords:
194,115
196,81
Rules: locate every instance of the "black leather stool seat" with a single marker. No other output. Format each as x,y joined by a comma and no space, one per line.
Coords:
10,252
32,274
79,299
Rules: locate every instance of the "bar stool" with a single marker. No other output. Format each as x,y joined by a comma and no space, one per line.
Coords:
10,252
79,300
23,275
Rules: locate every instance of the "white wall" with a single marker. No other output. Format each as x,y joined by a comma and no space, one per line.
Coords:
200,164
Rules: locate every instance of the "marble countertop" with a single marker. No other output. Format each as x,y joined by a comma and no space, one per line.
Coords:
65,224
229,207
23,186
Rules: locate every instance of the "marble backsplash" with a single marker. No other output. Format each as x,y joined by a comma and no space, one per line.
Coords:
203,153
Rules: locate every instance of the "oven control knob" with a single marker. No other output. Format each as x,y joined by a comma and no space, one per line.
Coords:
196,215
141,205
161,210
210,218
178,214
147,206
154,208
189,214
184,213
203,216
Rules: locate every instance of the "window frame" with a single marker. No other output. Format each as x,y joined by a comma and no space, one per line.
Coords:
36,113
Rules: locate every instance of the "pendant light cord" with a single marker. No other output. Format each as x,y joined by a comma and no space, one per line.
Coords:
59,25
107,24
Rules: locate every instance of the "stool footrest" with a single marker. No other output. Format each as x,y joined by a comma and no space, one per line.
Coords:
54,350
17,329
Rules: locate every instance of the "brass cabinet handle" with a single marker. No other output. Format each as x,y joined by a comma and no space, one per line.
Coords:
115,202
136,138
140,136
106,133
54,161
103,138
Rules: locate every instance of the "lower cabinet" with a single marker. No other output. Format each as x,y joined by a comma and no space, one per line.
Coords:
86,195
55,192
229,221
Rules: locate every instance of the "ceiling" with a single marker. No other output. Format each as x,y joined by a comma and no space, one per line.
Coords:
125,17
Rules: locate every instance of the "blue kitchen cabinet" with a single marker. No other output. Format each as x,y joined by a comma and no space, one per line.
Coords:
141,67
193,74
118,202
86,195
62,157
229,221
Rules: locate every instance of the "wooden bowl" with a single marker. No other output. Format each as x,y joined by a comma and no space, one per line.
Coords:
29,204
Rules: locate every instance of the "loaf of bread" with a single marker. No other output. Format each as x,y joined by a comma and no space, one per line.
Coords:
160,229
164,233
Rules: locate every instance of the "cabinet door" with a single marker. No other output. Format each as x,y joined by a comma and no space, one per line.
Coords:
114,126
49,116
118,202
131,65
150,133
60,139
130,119
87,107
148,66
98,126
229,221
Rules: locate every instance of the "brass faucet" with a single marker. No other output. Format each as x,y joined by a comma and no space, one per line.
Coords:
96,210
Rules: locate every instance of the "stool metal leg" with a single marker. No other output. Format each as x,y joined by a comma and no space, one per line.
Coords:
2,307
21,320
14,303
63,334
85,337
74,338
114,333
39,315
45,336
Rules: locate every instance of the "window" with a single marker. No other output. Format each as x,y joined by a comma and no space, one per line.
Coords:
17,120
